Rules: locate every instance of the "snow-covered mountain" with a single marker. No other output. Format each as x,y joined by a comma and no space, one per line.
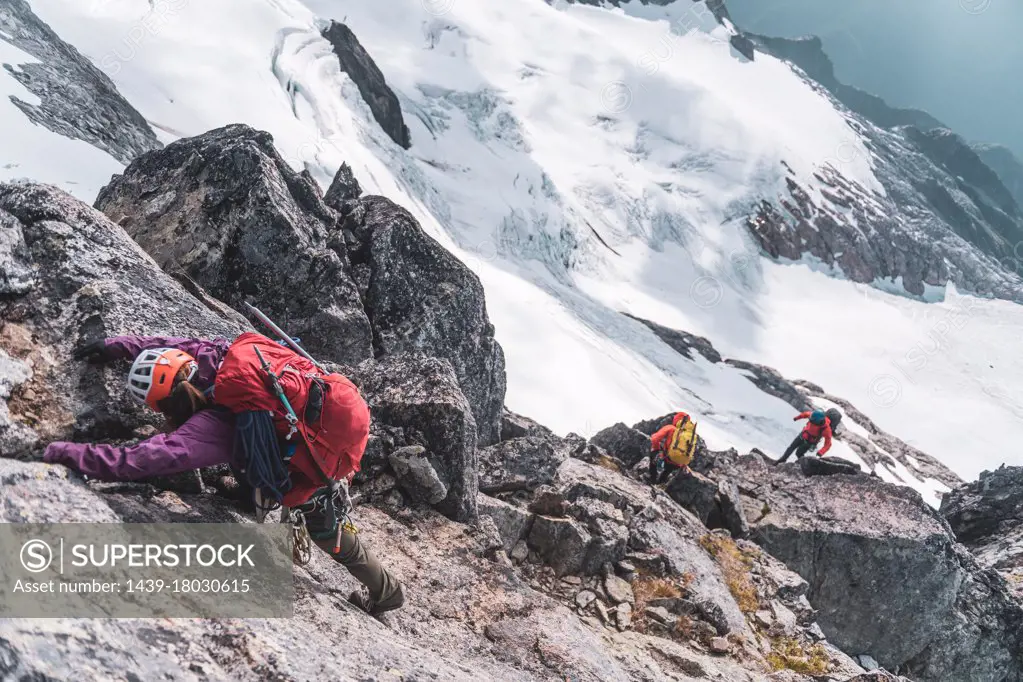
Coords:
587,162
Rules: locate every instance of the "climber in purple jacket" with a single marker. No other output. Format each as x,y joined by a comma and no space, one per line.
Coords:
202,438
173,375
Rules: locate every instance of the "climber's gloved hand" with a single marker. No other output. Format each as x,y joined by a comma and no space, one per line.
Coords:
92,351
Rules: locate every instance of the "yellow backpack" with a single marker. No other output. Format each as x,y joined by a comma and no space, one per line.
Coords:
683,443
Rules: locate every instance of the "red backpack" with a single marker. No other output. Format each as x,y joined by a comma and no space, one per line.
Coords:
333,419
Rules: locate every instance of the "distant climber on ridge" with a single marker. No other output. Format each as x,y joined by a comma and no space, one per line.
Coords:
818,426
220,402
672,448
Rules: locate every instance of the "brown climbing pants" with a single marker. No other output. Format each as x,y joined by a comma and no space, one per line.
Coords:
384,589
322,522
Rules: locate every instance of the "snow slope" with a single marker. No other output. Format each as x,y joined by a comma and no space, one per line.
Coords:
583,162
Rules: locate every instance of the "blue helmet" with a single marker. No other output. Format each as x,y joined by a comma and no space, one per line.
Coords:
817,417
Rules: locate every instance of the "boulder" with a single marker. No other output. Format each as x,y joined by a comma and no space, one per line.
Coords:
419,297
516,426
695,492
513,523
417,476
884,571
827,466
562,543
518,464
992,505
624,443
987,517
360,67
576,479
733,517
618,590
228,211
421,396
71,276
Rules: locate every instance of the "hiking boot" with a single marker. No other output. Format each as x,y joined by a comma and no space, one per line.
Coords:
358,598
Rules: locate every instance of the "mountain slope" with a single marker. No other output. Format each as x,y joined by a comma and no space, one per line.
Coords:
580,183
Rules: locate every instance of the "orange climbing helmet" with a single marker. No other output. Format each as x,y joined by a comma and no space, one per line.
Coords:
152,375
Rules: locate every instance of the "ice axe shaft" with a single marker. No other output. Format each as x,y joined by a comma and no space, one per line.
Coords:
283,334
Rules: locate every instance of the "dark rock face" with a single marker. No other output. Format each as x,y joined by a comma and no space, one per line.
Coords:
227,210
696,493
859,542
70,275
421,298
987,516
421,396
344,188
361,68
682,342
715,504
624,443
518,464
78,100
561,542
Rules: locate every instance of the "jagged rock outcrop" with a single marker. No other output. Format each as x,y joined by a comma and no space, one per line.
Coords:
419,297
360,67
70,276
77,99
986,515
226,209
860,542
516,426
624,443
420,395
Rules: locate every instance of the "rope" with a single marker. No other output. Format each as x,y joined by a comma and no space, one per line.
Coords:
258,451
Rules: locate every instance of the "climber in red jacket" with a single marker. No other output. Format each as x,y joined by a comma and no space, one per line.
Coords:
817,426
661,464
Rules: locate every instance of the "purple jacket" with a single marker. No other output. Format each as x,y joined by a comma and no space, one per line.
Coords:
204,440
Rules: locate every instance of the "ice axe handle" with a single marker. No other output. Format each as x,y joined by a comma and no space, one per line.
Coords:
283,334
